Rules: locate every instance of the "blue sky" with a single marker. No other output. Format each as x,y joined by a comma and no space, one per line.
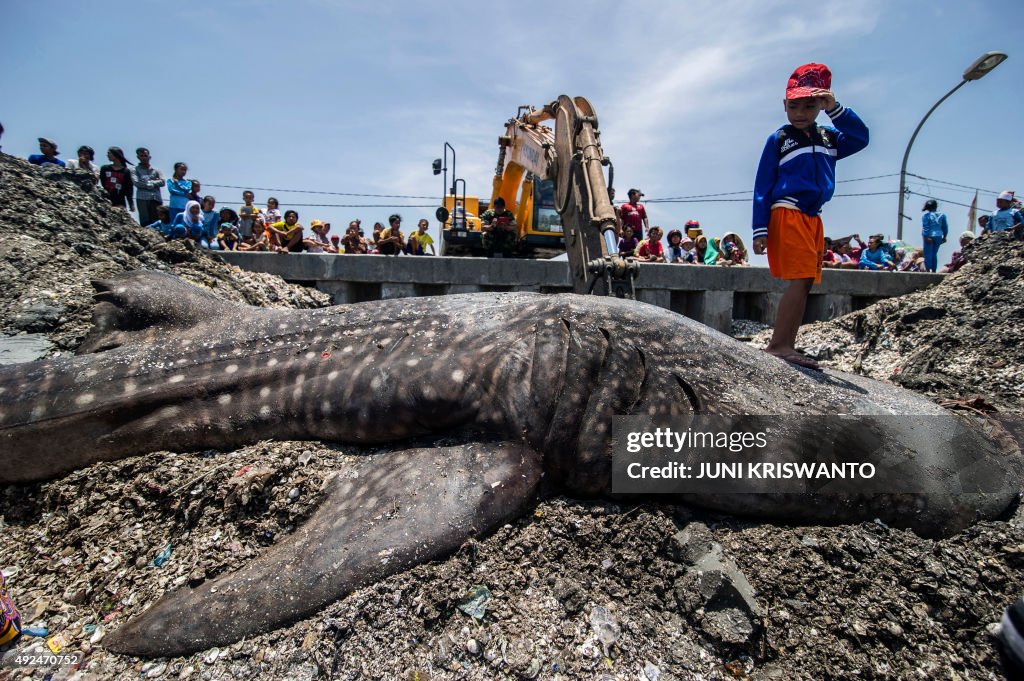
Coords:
359,97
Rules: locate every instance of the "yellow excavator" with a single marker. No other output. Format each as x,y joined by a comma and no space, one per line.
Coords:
554,183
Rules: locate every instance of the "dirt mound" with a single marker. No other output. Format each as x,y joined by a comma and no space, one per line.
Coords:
572,590
58,233
962,338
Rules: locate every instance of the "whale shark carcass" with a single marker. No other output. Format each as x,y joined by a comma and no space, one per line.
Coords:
528,384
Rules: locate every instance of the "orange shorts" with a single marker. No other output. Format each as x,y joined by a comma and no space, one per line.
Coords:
796,245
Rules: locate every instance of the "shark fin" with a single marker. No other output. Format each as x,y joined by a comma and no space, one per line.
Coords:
141,300
404,508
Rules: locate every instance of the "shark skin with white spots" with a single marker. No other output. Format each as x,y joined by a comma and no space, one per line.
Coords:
529,383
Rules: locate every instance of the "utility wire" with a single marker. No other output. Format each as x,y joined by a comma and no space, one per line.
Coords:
310,191
747,191
716,197
953,184
745,200
361,205
938,198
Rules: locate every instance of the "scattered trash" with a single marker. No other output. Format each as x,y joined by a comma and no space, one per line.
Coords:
163,556
740,668
58,642
605,626
96,508
474,603
38,632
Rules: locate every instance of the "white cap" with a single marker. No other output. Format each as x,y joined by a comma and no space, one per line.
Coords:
1006,196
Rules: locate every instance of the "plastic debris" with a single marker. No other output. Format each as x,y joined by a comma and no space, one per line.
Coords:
605,626
58,642
474,603
163,556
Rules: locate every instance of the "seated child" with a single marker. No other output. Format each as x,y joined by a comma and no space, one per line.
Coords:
258,240
191,219
628,242
227,237
830,258
287,235
354,242
732,252
875,257
959,259
651,249
165,226
318,243
676,252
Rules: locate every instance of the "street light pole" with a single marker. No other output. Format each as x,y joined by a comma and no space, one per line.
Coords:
906,155
978,69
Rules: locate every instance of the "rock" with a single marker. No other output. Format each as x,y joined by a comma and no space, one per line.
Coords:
713,585
570,594
74,596
693,542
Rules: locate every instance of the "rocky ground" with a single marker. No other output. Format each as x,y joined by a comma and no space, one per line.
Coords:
953,341
572,590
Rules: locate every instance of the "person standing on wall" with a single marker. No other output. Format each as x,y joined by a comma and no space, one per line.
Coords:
934,230
148,182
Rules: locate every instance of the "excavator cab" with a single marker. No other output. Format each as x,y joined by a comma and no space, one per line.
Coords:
543,232
554,182
461,228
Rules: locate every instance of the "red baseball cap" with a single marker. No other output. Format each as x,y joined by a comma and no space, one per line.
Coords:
808,78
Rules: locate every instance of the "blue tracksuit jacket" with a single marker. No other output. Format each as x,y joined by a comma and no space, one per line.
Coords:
800,169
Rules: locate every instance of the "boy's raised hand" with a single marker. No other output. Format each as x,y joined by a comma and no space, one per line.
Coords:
760,245
827,99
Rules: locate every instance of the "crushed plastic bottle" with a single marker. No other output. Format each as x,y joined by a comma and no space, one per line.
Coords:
163,556
605,626
474,603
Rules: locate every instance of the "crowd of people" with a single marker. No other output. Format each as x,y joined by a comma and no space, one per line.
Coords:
692,247
189,214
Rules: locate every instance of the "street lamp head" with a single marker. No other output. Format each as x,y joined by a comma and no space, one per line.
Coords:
983,64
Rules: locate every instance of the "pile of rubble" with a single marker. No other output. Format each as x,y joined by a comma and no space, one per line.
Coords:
954,341
572,590
59,233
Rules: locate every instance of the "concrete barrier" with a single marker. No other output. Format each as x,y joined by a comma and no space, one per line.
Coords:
711,295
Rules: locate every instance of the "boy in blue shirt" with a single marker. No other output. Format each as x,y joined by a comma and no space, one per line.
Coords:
47,155
874,256
1006,216
795,178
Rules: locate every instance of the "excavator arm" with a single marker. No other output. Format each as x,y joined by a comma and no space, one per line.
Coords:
576,163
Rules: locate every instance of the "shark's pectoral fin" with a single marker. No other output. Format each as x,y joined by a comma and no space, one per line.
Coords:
404,508
139,300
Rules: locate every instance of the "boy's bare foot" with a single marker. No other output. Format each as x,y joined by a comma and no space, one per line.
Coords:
794,357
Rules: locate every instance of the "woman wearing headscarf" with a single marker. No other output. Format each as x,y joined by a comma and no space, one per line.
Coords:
116,179
731,250
934,230
192,220
711,254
